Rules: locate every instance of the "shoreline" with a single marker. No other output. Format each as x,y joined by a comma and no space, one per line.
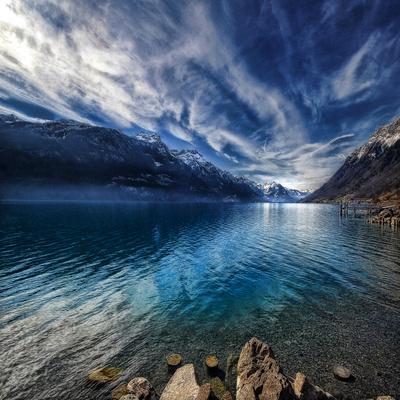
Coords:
257,373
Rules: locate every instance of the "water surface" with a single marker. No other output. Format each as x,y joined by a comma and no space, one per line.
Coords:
86,285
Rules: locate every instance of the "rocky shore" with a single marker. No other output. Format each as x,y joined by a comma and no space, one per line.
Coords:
386,216
259,377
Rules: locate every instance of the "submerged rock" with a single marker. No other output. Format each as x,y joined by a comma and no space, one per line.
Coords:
142,388
304,390
231,362
182,385
119,391
259,374
105,374
217,387
342,373
129,397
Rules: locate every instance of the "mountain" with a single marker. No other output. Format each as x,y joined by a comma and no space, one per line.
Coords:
274,192
86,159
371,172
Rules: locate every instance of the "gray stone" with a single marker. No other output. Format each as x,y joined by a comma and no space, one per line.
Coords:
342,372
182,385
260,376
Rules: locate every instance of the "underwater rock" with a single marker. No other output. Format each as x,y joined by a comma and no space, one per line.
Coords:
231,362
304,390
182,385
142,388
259,374
342,373
217,387
129,397
119,391
105,374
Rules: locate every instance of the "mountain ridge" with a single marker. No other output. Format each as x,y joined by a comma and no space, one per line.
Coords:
71,153
371,172
275,192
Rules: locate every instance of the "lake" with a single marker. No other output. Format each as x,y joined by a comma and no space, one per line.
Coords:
85,285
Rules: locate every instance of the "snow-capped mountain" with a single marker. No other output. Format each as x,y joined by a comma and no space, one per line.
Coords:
274,192
56,153
370,172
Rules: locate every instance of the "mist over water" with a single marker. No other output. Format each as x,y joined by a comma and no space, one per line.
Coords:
85,285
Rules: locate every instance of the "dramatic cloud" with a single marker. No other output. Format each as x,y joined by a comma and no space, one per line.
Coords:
269,89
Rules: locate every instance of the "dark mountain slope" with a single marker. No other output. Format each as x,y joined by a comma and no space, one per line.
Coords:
71,153
371,172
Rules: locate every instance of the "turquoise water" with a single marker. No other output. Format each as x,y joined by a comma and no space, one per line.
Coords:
84,285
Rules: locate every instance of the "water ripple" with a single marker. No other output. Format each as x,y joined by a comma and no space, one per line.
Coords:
86,285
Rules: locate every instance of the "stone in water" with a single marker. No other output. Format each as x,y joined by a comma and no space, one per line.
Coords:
119,391
105,374
173,360
342,372
212,361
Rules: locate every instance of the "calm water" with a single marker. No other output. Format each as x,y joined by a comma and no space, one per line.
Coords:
85,285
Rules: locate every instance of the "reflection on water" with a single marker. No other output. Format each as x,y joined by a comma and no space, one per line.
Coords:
84,285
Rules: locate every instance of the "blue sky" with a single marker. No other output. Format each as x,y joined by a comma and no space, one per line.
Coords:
269,89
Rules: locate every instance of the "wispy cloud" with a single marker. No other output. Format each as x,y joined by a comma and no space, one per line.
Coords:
260,89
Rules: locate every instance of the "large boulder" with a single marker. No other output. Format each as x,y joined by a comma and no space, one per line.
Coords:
260,376
305,390
182,385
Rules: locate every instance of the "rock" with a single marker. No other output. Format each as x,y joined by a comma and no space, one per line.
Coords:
129,397
231,362
385,398
204,392
259,374
304,390
342,373
142,388
217,387
212,361
338,395
105,374
174,360
227,396
182,385
119,391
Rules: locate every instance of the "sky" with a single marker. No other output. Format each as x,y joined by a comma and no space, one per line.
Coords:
272,90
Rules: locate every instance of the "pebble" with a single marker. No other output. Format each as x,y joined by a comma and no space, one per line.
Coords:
342,372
